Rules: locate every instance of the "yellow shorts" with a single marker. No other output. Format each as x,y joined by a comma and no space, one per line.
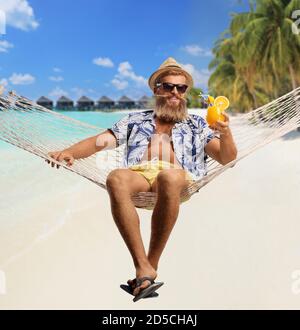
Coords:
150,169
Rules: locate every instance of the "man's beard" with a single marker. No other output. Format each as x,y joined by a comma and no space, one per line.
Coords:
170,113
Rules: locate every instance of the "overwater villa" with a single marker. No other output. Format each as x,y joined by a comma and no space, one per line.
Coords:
64,103
144,101
45,102
105,103
126,103
85,103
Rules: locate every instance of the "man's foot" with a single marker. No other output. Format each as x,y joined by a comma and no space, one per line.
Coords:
139,274
145,292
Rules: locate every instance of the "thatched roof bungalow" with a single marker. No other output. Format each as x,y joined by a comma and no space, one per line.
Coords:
105,103
45,102
143,102
126,103
64,103
85,103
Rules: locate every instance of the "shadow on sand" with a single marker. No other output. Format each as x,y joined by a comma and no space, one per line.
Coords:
293,135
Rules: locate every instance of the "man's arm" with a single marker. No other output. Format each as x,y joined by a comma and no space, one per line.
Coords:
89,146
109,139
223,150
84,148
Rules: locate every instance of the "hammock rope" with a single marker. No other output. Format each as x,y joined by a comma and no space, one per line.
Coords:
38,130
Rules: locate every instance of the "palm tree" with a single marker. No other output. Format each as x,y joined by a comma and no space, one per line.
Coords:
193,98
231,77
267,38
262,60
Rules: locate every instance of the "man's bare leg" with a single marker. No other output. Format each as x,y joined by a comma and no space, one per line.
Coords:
168,185
121,183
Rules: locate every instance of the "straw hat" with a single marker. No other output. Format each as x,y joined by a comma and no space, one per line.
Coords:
168,64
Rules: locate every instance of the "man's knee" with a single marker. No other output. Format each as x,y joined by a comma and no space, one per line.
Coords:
171,178
117,179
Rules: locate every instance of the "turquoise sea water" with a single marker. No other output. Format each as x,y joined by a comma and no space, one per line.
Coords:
28,185
99,119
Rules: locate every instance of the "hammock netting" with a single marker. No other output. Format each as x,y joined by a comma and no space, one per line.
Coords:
33,128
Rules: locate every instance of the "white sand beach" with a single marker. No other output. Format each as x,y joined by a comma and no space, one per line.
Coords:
235,244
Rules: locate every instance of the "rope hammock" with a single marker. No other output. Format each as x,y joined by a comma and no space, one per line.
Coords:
33,128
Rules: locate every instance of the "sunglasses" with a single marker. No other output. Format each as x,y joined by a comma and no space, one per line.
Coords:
168,87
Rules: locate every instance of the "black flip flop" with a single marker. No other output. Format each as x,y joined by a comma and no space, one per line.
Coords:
150,289
129,290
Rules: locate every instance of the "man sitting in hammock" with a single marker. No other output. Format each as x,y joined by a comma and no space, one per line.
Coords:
166,149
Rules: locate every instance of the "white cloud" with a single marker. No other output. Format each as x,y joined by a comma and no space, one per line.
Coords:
200,77
136,94
103,61
2,22
56,78
78,92
5,45
19,14
119,84
125,71
21,79
196,50
57,70
58,92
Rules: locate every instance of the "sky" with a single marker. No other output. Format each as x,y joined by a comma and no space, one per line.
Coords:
105,47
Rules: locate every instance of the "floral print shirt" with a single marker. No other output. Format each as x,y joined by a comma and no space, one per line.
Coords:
189,138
